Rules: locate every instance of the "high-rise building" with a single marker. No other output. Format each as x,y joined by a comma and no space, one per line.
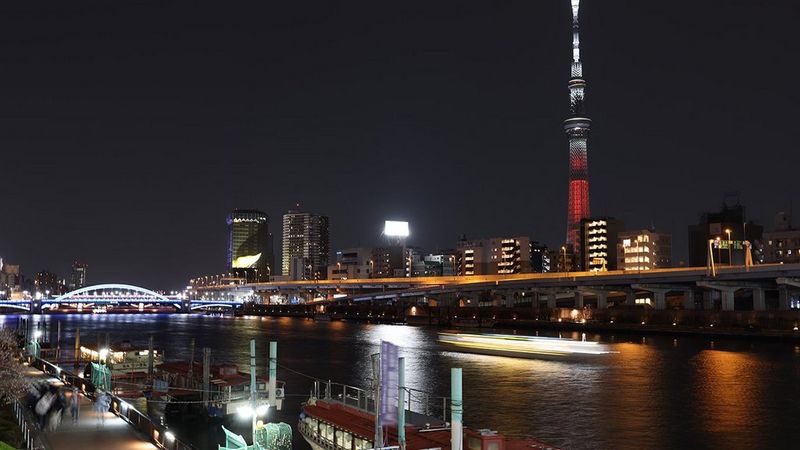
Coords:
46,283
77,278
577,128
351,263
540,258
643,250
726,232
250,253
305,235
599,243
500,255
387,262
783,244
9,279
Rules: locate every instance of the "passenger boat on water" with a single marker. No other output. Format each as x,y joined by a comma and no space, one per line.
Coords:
181,383
517,346
127,364
347,422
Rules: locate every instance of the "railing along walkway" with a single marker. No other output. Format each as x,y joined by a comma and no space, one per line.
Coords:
89,431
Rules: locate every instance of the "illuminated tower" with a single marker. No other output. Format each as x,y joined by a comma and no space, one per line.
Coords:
577,128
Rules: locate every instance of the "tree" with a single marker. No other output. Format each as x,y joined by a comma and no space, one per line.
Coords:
12,372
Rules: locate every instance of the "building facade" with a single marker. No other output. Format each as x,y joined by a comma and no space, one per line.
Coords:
783,244
250,253
305,237
599,243
541,261
351,263
644,250
77,278
508,255
727,233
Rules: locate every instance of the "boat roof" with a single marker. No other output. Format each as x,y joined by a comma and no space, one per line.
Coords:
232,379
417,437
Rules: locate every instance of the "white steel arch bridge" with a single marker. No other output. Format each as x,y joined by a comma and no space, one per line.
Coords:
113,294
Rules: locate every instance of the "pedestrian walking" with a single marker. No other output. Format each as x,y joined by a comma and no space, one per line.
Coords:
74,404
101,405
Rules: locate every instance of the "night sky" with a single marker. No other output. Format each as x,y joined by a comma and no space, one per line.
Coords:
128,130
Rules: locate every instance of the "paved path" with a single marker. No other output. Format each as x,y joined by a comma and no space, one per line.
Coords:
88,433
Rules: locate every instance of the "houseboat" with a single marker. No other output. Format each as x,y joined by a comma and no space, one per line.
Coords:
127,364
180,382
337,424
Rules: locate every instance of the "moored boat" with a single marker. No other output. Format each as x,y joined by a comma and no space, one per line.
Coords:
337,424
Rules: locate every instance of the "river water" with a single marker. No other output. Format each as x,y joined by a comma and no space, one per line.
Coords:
656,393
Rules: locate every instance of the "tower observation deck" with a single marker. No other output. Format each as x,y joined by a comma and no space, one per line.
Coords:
577,128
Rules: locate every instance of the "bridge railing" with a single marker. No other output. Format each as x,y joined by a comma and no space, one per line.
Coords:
156,433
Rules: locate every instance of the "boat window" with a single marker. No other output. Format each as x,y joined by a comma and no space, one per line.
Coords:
347,440
328,433
474,443
493,445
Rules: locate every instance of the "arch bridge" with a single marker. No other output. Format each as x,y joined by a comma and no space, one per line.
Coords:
112,294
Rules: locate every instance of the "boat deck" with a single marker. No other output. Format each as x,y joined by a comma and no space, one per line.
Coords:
417,437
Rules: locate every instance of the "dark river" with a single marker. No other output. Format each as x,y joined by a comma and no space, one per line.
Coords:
656,393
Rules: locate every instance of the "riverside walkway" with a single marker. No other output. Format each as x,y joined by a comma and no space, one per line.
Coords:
88,432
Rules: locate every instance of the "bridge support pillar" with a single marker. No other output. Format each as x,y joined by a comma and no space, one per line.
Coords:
708,299
783,298
727,299
630,297
660,298
551,300
578,299
759,301
602,300
688,299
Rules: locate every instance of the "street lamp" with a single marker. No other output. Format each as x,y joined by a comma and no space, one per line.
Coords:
730,244
564,261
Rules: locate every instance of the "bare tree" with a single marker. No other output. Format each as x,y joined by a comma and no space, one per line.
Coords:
12,371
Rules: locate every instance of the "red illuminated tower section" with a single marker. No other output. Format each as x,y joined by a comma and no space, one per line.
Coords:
577,128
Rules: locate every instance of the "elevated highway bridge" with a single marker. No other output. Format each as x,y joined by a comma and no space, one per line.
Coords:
768,286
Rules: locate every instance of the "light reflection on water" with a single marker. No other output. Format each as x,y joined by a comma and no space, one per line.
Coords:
657,392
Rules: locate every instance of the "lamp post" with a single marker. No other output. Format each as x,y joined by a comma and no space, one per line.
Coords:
254,409
730,244
564,252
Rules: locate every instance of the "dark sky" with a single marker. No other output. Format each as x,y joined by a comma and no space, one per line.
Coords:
129,129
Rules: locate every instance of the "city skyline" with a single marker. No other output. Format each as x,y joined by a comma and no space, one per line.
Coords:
133,173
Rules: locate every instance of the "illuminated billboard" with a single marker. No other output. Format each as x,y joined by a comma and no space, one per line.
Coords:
246,261
395,228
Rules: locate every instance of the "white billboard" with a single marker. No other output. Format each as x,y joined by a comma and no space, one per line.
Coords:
395,228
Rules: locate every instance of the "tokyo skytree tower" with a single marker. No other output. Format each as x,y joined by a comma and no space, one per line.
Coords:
577,129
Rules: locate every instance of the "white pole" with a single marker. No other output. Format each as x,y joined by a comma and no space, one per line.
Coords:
456,410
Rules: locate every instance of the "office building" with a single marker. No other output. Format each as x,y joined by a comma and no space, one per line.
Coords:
599,243
250,254
727,232
643,250
351,263
387,262
9,279
540,258
305,238
46,284
502,255
783,244
77,278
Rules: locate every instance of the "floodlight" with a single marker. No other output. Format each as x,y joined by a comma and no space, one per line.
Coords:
395,228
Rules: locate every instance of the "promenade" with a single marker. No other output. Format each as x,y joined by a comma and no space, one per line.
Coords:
88,433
